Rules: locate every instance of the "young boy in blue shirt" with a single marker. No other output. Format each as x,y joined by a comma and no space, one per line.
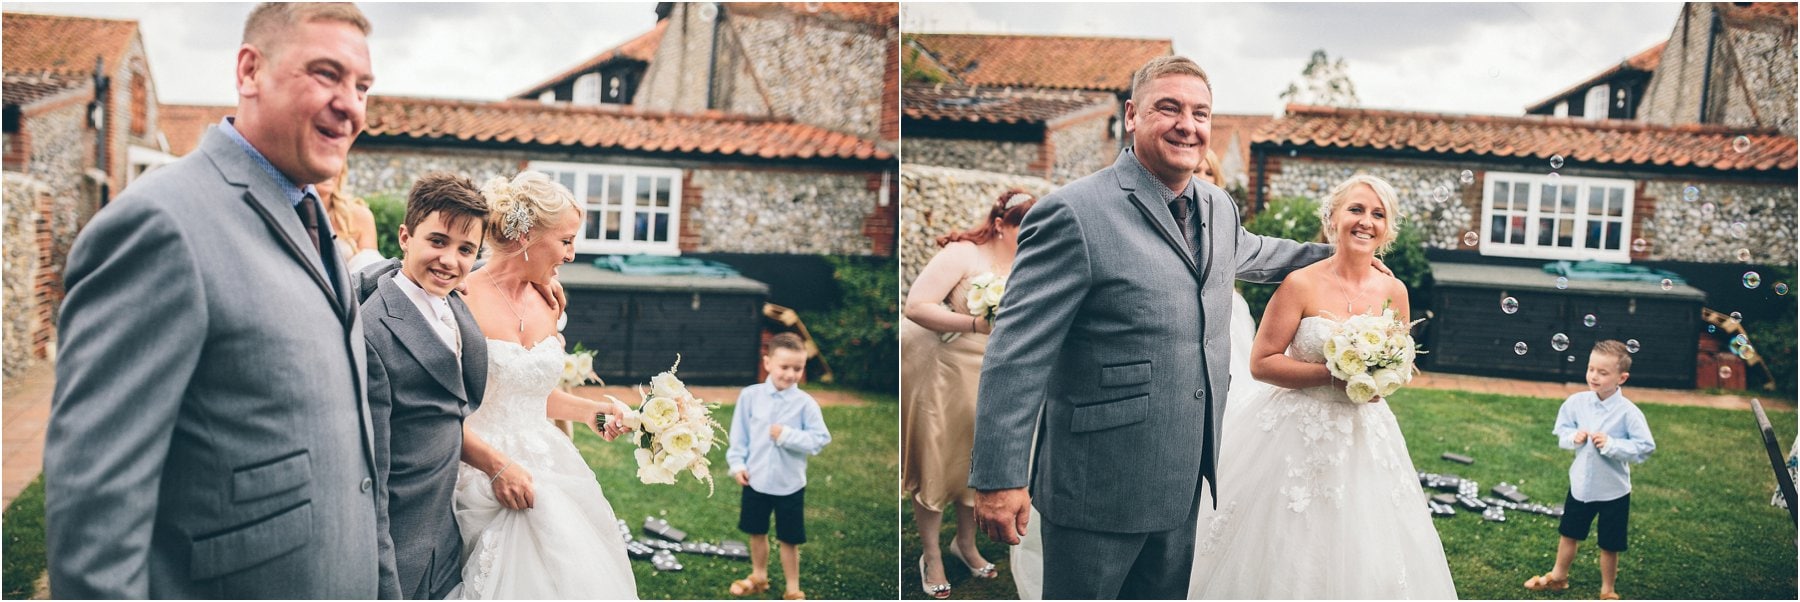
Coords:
1608,434
773,429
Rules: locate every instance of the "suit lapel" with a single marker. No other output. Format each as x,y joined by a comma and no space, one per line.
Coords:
1131,181
415,333
474,351
263,196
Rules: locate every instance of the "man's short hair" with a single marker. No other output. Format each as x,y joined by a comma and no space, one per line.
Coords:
1617,350
1164,66
786,340
270,20
450,193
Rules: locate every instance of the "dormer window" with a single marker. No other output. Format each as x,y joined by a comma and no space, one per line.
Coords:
587,89
1594,106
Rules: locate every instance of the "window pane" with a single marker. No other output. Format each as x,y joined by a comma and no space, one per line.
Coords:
643,191
612,225
595,184
1615,205
615,190
1518,230
1565,232
640,227
1596,201
661,234
1569,196
1547,198
1502,196
662,192
1497,229
1521,197
567,179
1614,231
1546,231
593,226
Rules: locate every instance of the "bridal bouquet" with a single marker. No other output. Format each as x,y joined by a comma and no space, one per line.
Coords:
578,369
674,431
983,300
1373,354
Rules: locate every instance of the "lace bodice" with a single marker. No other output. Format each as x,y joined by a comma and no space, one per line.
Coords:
1309,347
512,416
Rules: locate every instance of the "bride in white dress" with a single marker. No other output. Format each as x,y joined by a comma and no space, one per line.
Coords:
534,522
1317,495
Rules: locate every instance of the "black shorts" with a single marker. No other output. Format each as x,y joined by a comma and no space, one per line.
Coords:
1614,515
790,515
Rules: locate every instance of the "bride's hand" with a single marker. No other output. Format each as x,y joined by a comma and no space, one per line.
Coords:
615,421
513,488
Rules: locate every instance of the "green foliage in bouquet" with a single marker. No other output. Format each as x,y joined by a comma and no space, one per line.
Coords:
390,213
858,335
1297,218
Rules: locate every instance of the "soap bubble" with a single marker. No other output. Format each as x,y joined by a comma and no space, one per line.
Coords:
1739,229
1724,371
1741,144
1631,346
1559,342
1466,177
1668,284
1640,245
1706,210
1743,255
1691,193
1509,305
1781,288
1737,316
1752,280
1556,161
1519,348
1440,194
1588,320
1471,238
1562,282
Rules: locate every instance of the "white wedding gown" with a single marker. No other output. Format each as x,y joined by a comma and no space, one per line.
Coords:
1317,499
567,545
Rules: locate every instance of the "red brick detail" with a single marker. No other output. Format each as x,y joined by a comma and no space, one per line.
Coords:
890,93
881,226
46,287
692,196
1643,209
18,149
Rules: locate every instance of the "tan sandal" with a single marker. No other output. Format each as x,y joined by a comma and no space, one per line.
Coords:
749,586
1544,582
1609,596
794,595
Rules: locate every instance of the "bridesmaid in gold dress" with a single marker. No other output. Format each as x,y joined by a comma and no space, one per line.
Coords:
941,346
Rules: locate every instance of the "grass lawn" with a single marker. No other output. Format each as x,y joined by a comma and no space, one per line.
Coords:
850,512
24,527
850,515
1701,523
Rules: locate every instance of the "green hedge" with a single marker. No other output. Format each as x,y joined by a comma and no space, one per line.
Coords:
1297,218
390,212
859,336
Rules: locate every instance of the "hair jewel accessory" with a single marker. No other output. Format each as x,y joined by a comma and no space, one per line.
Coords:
1016,200
517,222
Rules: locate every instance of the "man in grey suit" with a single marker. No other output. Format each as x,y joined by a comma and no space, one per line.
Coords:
1112,349
427,371
209,435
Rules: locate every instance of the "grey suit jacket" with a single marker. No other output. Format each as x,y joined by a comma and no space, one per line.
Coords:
1121,340
419,393
209,435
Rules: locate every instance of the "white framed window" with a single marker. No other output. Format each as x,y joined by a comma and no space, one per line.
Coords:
626,210
1538,216
1562,108
1594,106
587,90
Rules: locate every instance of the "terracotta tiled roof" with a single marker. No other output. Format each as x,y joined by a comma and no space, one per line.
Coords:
63,45
996,105
641,48
623,129
27,88
1784,13
183,125
1243,126
1058,62
1645,61
1579,141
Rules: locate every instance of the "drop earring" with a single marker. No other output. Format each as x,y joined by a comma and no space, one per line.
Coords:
528,255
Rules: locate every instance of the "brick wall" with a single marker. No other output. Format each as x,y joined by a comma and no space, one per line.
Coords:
940,200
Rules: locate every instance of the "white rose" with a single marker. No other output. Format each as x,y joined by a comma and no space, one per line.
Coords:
675,463
654,473
569,369
700,469
659,413
1361,388
643,456
1388,380
1347,363
976,301
993,292
982,280
666,385
678,439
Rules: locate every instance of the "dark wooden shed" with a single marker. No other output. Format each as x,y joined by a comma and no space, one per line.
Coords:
1471,333
636,324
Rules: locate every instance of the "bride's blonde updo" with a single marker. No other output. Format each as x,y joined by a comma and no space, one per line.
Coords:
531,200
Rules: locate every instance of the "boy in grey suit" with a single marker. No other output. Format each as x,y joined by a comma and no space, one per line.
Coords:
1115,328
209,436
427,371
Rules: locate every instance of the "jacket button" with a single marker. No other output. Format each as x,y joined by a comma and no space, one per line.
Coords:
1199,393
367,483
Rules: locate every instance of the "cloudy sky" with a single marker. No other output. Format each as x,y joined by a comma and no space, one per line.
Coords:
1493,58
483,51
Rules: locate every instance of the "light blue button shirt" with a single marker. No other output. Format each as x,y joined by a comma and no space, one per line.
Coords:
294,192
1600,475
777,466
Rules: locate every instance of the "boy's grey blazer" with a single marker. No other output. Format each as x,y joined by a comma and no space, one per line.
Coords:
1120,338
209,436
419,393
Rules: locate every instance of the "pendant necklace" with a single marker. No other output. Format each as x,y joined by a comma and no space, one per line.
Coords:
509,306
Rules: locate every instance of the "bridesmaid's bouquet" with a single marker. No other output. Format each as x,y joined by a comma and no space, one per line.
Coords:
674,431
578,369
983,300
1372,354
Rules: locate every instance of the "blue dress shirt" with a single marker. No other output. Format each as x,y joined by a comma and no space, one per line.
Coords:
1600,475
293,192
777,465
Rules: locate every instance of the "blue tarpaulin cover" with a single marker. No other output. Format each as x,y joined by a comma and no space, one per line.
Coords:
1600,270
657,265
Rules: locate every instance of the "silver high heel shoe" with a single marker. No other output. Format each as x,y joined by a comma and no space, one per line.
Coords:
985,572
939,591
